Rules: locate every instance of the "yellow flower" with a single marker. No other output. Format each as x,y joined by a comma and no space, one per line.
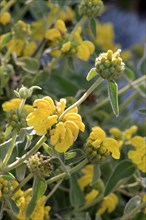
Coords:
91,196
66,132
138,155
60,25
98,139
130,131
44,119
84,50
66,47
41,118
108,204
22,203
53,34
14,104
29,48
5,18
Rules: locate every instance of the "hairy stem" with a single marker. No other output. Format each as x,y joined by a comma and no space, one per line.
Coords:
10,150
72,170
25,156
82,99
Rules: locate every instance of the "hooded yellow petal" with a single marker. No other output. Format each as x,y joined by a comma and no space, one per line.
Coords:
83,52
66,143
112,146
60,25
73,128
53,34
58,133
138,142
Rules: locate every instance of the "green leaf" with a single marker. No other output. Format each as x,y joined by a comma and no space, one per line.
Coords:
132,203
76,195
13,206
143,111
113,96
91,74
93,26
28,64
96,173
129,73
5,39
123,170
20,172
69,155
39,188
8,176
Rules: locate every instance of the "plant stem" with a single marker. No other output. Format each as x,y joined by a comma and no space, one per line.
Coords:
72,170
10,150
82,99
52,191
82,20
21,106
121,91
25,156
24,181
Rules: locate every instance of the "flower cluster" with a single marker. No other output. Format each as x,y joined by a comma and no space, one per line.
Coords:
15,119
91,8
22,199
138,155
39,164
108,204
21,42
61,42
45,119
4,187
109,65
98,146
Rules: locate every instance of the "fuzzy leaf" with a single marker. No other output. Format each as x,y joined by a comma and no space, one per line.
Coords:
28,64
123,170
76,195
91,74
5,39
96,173
132,203
13,206
39,188
113,96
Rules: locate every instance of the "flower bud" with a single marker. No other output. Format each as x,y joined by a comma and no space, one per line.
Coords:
109,65
40,165
24,92
91,8
5,187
